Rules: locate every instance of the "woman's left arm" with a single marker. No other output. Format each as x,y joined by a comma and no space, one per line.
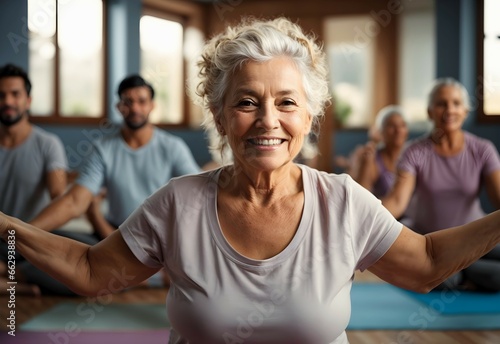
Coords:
493,188
421,262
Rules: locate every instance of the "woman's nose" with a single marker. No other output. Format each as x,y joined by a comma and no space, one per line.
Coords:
268,117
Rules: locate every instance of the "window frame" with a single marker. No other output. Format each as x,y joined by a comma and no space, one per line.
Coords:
480,115
56,117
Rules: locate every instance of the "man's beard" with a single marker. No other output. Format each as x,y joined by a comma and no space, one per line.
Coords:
9,121
136,125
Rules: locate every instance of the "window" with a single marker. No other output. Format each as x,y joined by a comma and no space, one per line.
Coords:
417,67
162,66
488,57
66,59
350,61
169,49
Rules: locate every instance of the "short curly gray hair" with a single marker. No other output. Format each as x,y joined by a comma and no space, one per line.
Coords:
443,82
260,40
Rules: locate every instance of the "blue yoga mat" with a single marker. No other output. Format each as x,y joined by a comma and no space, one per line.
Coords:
374,307
82,316
460,302
384,307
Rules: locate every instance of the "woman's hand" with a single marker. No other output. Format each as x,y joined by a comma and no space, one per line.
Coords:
368,152
367,171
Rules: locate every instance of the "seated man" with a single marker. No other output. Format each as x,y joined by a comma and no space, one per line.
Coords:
131,163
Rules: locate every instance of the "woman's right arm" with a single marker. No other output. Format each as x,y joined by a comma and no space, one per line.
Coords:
398,198
104,268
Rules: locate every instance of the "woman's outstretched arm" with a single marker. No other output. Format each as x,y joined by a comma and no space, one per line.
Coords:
106,267
421,262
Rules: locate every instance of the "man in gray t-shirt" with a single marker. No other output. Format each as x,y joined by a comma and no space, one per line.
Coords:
131,163
33,161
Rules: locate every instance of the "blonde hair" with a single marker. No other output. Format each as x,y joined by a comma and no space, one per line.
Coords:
259,40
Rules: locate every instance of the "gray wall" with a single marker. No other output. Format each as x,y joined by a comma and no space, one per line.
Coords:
14,32
124,46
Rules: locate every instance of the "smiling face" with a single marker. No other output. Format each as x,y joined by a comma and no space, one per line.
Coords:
264,114
447,110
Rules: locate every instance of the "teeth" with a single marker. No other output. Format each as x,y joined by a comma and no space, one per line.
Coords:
264,142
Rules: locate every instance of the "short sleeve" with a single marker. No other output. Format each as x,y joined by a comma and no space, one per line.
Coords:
373,228
413,155
145,229
55,155
491,158
91,173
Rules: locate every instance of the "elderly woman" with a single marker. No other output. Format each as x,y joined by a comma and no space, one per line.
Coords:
261,250
445,172
377,165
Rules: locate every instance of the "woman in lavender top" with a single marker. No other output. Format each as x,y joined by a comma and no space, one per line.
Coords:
377,165
445,172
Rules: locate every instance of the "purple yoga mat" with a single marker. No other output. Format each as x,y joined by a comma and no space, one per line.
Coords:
86,337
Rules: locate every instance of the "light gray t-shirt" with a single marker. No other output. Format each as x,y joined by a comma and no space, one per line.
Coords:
131,175
447,188
23,172
301,295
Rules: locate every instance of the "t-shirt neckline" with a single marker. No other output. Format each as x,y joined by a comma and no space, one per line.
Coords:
289,250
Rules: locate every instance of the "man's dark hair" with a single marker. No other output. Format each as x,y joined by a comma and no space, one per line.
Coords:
133,81
10,70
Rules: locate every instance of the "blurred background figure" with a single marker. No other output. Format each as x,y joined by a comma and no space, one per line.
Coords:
350,163
443,174
376,162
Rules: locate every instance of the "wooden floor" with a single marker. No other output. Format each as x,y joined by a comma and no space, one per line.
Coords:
28,307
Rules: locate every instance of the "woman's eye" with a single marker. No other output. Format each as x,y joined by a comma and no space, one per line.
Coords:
246,102
288,102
